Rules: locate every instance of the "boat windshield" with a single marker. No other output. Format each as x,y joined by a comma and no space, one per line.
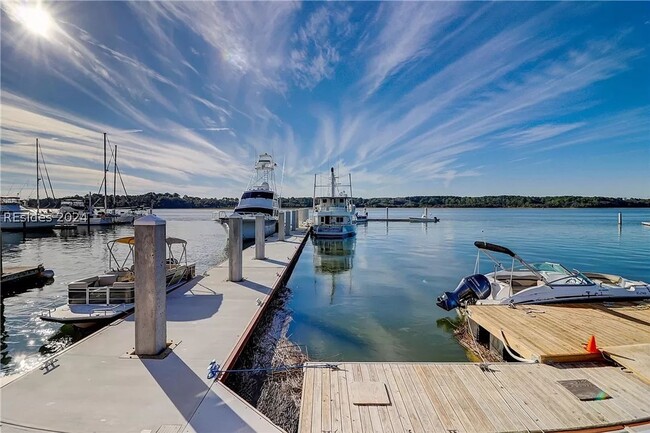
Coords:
557,274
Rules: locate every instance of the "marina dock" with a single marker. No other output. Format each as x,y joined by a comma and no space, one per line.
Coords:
19,278
548,333
470,398
98,385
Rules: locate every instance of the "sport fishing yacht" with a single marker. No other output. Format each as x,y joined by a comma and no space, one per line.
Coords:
334,212
260,197
16,217
103,298
537,283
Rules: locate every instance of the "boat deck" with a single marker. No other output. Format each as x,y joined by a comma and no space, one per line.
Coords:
559,333
12,274
466,397
96,386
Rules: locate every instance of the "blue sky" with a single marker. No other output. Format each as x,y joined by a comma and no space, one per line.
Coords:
464,98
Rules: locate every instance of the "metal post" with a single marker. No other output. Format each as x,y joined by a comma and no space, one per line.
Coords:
294,220
150,296
281,232
235,246
386,214
115,181
260,237
426,213
38,179
620,219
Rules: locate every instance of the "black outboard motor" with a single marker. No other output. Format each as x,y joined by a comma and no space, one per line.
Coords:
472,287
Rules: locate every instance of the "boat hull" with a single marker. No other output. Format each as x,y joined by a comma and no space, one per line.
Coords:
334,232
15,226
248,227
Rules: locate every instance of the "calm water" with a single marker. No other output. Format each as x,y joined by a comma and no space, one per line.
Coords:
370,298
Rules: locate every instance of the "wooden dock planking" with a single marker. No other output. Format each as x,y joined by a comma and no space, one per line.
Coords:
634,357
554,333
462,397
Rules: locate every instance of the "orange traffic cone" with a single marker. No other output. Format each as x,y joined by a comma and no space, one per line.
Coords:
591,345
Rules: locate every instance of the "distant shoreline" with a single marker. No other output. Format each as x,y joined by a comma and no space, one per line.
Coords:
176,201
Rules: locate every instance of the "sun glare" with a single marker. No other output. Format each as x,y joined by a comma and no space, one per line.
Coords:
35,19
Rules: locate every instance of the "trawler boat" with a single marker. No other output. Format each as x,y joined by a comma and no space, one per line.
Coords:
103,298
16,217
334,212
259,198
537,283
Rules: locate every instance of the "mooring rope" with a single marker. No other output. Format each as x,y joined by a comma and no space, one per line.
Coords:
214,368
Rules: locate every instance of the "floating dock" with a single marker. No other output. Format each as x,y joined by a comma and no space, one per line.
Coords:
472,398
98,385
20,278
547,333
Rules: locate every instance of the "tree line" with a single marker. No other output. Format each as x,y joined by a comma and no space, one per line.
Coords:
176,201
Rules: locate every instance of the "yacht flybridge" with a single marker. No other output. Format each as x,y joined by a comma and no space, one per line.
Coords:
334,212
260,197
537,283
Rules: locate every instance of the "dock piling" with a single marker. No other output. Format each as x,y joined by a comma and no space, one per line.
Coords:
150,298
287,222
235,247
294,220
620,218
260,237
281,231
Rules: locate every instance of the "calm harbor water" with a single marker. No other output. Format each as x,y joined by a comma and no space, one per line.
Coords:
369,298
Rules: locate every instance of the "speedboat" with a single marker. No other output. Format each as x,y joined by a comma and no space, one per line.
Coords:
259,198
362,217
424,218
16,217
537,283
334,212
103,298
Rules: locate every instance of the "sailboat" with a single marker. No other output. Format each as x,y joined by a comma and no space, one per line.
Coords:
16,217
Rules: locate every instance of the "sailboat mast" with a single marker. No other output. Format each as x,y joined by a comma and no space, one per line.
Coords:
350,177
114,178
38,198
313,201
333,184
105,169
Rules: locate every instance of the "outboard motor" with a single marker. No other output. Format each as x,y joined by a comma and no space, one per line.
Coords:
470,288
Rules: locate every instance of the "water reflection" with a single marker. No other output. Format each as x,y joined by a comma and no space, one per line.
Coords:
333,256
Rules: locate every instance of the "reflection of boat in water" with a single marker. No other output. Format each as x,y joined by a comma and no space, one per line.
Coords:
333,256
260,197
102,298
537,283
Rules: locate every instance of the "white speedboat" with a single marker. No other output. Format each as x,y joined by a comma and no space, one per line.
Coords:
362,217
16,217
334,212
259,198
103,298
537,283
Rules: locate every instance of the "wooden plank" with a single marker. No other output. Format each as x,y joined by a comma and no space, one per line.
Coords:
346,416
336,411
355,414
407,398
306,401
443,409
426,412
634,357
326,418
317,419
384,413
369,393
364,411
372,409
397,399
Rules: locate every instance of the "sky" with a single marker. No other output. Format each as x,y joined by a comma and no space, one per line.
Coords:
412,98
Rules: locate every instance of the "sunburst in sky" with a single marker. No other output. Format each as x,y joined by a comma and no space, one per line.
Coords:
415,98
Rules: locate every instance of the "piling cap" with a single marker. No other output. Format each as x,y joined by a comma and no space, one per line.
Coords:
150,220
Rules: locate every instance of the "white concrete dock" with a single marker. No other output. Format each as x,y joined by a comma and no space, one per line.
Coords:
95,387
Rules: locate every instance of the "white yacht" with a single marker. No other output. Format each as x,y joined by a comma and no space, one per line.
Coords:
334,212
103,298
260,197
537,283
16,217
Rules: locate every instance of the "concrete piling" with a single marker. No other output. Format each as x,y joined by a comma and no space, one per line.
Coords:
150,296
281,227
235,247
287,223
294,220
260,237
620,219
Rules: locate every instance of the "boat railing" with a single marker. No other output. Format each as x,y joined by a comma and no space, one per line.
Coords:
119,293
47,310
106,310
